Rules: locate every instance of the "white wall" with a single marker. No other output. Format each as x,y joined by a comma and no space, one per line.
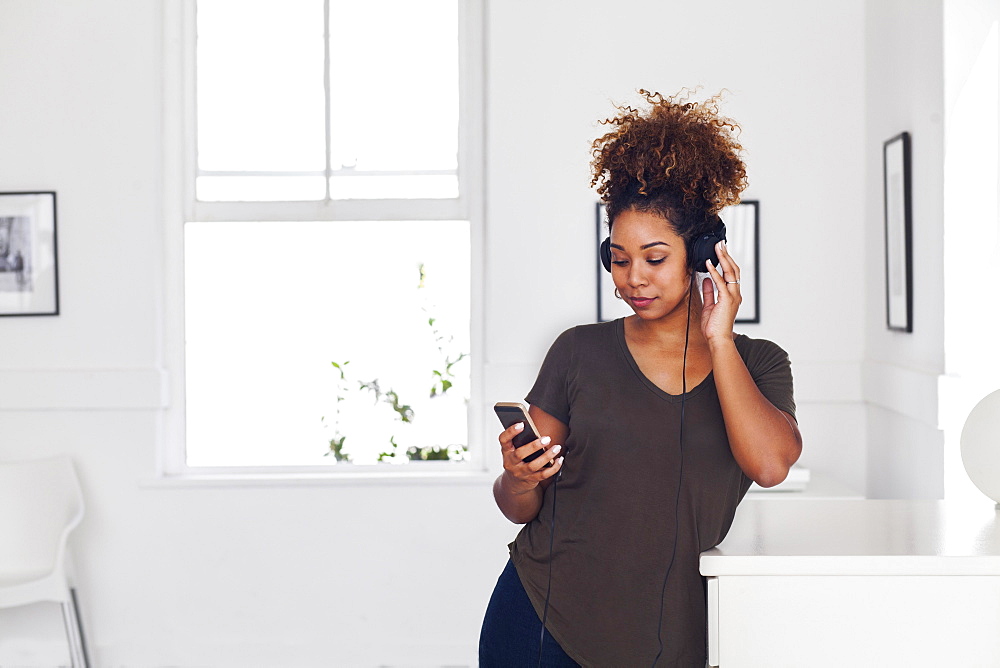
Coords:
904,91
796,82
972,229
370,574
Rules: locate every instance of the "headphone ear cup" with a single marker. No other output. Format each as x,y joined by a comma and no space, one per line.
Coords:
606,253
703,247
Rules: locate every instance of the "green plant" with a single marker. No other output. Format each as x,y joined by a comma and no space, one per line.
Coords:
437,453
404,412
441,377
337,442
442,380
391,454
337,449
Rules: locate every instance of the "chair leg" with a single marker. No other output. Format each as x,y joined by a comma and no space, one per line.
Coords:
74,632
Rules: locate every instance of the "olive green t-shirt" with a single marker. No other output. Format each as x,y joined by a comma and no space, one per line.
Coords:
617,499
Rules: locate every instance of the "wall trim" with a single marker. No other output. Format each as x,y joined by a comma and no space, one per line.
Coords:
911,392
83,389
907,391
137,389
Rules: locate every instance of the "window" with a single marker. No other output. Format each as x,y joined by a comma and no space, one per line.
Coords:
329,234
309,100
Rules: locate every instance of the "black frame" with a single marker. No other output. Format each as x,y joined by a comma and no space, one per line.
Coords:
749,271
609,308
39,275
898,219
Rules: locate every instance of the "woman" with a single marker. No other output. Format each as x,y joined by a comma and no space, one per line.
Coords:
654,426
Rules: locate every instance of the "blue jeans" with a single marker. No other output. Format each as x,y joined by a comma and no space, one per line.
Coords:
512,630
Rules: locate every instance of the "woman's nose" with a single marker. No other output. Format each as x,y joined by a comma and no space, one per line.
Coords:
635,277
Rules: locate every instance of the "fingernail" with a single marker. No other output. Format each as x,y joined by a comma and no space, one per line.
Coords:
556,448
546,440
560,460
519,426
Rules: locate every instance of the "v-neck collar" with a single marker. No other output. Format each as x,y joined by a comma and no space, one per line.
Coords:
653,387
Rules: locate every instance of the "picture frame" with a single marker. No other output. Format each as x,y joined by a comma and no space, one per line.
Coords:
609,307
898,216
742,239
743,242
29,272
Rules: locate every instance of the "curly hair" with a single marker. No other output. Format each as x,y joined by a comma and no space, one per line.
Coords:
680,159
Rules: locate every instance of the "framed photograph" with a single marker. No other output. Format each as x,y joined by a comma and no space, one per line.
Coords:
742,232
742,228
29,283
609,307
898,233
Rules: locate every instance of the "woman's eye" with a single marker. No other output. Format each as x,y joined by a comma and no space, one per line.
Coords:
619,263
656,261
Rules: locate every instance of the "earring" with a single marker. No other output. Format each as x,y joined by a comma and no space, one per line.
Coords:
617,294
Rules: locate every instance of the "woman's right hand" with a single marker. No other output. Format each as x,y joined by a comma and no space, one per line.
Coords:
522,476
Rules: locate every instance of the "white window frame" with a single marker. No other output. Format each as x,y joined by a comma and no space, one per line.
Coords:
179,205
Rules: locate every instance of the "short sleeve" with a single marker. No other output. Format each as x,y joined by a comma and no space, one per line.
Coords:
771,370
551,389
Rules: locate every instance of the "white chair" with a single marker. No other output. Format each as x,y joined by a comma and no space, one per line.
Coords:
40,503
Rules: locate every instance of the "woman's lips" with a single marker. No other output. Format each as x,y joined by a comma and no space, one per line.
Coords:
641,302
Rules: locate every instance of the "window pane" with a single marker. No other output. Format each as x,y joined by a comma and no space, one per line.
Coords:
260,85
398,187
394,84
260,188
270,306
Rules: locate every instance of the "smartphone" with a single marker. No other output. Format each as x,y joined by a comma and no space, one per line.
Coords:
510,413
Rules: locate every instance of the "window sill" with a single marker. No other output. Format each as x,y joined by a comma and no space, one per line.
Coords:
304,479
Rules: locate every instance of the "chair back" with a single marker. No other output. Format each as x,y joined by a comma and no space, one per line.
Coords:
40,503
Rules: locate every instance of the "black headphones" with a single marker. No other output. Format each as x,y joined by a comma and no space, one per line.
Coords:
699,249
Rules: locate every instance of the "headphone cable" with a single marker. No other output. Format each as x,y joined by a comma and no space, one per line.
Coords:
680,472
548,587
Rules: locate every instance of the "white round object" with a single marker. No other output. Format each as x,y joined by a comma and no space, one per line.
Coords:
981,445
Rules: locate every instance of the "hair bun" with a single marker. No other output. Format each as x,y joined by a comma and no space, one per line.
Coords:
679,155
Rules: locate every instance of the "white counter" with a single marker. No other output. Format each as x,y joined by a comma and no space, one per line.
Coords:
819,486
856,582
820,537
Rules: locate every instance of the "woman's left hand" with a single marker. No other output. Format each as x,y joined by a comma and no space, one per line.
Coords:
719,314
